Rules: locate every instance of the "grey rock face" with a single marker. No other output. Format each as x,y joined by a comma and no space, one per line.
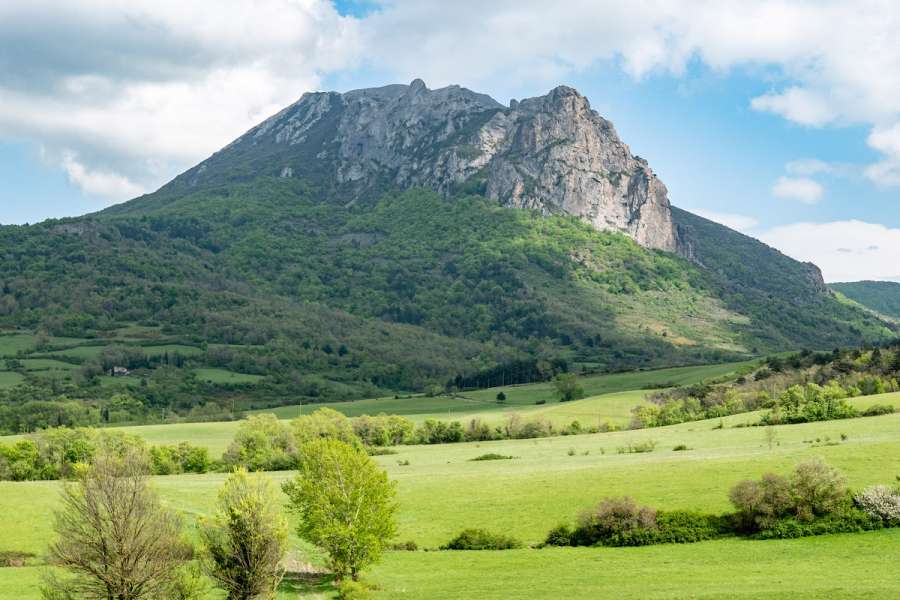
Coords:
552,153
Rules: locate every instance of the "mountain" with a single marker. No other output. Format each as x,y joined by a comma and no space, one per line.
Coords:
881,296
401,237
551,153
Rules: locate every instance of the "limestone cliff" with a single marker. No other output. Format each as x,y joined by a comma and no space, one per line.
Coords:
552,153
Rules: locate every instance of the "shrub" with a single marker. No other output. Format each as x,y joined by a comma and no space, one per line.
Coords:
478,431
567,388
561,535
501,397
880,501
408,546
816,489
640,447
480,539
349,589
616,522
380,451
878,409
492,456
680,448
685,527
761,503
844,519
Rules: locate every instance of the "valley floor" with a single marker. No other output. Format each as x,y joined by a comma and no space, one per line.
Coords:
548,482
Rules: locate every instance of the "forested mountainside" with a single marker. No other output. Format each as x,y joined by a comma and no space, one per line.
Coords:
881,296
443,239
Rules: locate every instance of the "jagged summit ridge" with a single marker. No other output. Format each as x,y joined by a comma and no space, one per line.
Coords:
552,153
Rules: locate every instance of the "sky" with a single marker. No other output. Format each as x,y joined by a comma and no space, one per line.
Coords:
778,118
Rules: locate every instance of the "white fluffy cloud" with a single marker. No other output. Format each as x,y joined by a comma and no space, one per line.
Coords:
844,250
124,95
827,61
140,89
803,189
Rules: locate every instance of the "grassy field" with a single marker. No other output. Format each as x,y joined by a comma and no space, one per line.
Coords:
224,376
9,379
442,491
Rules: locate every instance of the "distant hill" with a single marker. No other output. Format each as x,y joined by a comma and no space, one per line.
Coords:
402,238
881,296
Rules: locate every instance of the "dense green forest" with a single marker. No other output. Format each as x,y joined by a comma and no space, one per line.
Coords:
881,296
265,293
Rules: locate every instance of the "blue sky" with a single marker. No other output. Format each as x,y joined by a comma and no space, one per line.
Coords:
773,131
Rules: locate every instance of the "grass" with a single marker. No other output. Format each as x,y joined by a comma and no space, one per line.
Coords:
225,376
9,379
857,566
442,491
523,398
46,364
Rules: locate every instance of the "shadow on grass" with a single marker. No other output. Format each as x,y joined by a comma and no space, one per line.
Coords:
308,583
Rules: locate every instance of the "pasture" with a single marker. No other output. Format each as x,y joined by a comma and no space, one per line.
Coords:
548,482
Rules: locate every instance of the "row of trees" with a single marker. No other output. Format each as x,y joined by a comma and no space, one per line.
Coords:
117,540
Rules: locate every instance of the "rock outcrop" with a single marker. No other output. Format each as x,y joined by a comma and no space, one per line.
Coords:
551,153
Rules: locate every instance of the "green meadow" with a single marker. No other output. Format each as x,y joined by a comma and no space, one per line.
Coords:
441,491
549,480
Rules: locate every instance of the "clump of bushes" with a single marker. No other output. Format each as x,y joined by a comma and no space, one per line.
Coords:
615,522
880,501
814,500
480,539
180,458
492,456
878,409
813,490
640,447
61,453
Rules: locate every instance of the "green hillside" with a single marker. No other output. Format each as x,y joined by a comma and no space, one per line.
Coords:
297,296
881,296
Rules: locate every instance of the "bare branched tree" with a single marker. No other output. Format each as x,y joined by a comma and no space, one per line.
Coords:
115,536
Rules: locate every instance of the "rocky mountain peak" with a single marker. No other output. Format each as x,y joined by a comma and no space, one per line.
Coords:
552,153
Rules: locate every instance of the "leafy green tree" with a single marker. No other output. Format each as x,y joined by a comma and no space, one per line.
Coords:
324,423
245,540
345,504
262,442
566,387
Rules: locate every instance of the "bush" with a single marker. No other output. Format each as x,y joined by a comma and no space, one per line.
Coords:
817,489
686,527
845,519
561,535
880,501
761,503
616,522
640,447
814,490
878,409
480,539
492,456
408,546
349,589
680,448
